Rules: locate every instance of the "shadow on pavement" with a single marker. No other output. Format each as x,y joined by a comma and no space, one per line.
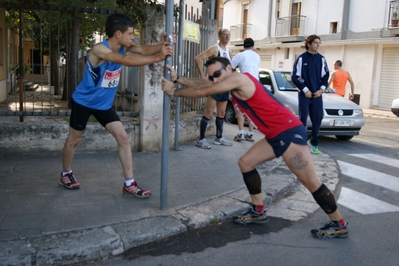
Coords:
215,235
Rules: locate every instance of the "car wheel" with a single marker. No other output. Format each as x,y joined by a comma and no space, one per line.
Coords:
230,115
344,137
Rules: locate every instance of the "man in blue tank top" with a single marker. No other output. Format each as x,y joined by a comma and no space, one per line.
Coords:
96,92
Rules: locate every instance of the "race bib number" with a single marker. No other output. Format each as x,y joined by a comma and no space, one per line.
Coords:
111,78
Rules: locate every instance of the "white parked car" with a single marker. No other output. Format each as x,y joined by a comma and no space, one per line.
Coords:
395,107
342,118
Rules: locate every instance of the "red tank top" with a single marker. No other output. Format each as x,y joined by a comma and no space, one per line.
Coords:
265,111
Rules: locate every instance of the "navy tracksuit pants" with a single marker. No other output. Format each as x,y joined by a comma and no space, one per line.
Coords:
313,107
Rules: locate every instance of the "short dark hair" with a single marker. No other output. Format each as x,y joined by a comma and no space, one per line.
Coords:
339,63
117,22
223,60
310,39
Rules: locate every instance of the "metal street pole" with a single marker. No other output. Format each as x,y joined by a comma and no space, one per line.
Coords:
166,111
179,72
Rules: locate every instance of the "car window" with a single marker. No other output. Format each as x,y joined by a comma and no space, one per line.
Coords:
266,80
284,82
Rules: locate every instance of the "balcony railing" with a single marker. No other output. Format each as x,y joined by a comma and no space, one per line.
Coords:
290,26
393,14
240,31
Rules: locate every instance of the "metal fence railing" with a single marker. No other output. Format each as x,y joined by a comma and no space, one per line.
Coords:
240,31
290,26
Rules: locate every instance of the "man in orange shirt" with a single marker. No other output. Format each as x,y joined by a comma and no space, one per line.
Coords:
338,80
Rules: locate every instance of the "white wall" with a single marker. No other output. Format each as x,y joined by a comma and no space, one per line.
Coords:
328,11
232,14
285,9
259,18
367,15
360,61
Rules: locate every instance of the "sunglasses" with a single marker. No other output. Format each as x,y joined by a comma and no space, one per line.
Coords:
216,74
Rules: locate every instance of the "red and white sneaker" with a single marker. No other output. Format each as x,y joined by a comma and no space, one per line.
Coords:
135,190
69,181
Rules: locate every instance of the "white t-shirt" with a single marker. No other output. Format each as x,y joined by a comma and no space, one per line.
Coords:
247,61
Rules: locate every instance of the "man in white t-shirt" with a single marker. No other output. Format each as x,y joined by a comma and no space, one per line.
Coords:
247,61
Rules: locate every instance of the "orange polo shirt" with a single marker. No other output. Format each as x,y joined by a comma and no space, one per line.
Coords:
339,82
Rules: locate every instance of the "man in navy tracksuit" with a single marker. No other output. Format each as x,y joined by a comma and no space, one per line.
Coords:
310,74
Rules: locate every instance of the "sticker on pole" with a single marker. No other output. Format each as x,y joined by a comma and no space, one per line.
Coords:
191,31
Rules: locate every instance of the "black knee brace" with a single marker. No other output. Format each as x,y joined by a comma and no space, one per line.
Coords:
219,126
253,182
324,197
203,126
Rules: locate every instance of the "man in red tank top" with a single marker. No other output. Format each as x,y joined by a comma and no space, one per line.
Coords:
285,136
338,80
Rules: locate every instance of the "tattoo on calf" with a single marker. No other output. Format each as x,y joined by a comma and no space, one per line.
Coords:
297,162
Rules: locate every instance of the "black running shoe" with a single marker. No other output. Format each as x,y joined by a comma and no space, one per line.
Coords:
251,217
331,230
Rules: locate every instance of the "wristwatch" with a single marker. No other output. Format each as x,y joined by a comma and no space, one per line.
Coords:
177,79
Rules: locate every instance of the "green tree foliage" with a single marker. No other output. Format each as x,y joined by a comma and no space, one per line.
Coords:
136,8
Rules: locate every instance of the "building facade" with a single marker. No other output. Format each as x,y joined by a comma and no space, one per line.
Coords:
363,34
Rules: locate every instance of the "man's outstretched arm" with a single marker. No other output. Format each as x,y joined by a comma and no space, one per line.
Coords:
188,82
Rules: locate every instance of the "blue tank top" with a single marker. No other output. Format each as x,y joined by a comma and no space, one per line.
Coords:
98,87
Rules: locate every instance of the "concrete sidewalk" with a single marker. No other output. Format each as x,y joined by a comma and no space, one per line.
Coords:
379,113
42,223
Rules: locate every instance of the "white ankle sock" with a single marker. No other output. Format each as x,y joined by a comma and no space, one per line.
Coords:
66,172
128,182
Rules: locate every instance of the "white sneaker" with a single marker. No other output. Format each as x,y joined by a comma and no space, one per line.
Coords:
203,144
221,141
239,137
250,137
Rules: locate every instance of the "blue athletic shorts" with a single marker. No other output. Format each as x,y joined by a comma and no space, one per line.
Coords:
281,142
80,115
223,97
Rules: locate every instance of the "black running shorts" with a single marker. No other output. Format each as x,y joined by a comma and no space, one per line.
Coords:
80,115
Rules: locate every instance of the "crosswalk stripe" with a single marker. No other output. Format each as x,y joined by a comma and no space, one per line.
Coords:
364,204
370,176
378,159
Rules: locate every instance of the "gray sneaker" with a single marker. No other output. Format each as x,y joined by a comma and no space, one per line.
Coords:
249,138
221,141
203,144
239,137
251,217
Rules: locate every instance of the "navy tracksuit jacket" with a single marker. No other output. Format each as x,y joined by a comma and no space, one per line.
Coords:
311,72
